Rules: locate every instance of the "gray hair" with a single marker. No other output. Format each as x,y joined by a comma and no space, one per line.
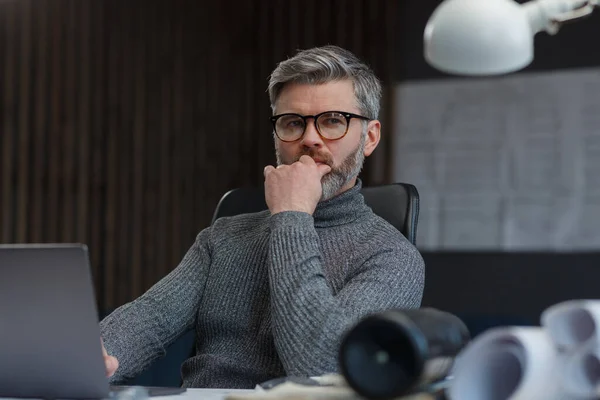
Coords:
327,64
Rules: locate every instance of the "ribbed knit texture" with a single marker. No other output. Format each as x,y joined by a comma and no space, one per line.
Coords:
270,296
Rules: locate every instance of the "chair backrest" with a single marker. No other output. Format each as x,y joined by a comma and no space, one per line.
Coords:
397,203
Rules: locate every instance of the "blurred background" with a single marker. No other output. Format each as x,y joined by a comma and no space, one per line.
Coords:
122,123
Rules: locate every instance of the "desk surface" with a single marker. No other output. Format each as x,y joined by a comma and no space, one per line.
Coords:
203,394
192,394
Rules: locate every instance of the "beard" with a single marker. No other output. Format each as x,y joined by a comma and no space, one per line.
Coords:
340,174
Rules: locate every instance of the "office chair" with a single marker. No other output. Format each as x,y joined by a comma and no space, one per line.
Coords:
397,203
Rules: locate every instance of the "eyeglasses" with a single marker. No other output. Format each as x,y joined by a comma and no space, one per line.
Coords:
331,125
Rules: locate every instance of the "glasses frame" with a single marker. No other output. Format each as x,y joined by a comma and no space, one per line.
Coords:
347,115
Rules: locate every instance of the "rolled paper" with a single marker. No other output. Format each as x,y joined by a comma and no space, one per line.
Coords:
511,363
580,375
572,323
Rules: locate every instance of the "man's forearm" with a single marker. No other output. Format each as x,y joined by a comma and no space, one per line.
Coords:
135,335
139,332
300,297
309,320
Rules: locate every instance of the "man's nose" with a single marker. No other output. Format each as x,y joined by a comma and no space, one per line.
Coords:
311,137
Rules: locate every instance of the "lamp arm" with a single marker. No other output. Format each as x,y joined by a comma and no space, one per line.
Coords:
550,15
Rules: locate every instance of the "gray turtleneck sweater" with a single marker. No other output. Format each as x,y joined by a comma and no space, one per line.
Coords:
270,295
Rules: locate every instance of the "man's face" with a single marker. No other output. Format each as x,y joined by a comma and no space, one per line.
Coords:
345,156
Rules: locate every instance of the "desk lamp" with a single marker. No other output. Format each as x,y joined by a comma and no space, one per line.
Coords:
491,37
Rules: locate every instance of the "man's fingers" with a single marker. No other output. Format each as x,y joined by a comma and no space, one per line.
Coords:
307,160
111,365
324,169
268,169
103,349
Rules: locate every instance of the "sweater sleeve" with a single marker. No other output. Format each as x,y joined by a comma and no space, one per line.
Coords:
309,320
140,331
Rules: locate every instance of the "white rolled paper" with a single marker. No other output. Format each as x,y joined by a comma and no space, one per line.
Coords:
572,323
580,375
513,363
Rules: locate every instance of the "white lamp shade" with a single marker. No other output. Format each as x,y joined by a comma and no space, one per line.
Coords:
479,37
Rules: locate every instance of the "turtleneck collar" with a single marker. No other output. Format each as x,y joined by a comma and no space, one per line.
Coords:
341,209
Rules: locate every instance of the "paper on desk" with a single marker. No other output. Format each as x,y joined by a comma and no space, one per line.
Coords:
294,391
573,326
290,390
581,372
514,363
559,360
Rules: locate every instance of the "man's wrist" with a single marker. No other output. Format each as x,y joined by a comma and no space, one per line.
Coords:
288,209
291,219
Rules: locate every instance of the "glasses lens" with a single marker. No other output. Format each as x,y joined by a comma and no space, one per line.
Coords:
289,127
332,125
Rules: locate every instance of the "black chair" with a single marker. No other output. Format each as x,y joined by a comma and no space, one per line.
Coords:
397,203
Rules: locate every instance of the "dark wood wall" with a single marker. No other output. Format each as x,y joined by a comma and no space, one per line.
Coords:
123,122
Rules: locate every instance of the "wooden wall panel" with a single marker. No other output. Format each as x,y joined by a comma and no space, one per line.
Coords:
122,123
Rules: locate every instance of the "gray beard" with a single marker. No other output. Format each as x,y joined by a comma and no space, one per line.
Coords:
340,175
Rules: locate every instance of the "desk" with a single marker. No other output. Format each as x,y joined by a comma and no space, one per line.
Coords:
203,394
192,394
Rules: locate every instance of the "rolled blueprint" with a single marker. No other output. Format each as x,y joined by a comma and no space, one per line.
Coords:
572,323
513,363
580,375
573,327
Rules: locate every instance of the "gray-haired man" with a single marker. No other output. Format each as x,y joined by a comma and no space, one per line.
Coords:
271,294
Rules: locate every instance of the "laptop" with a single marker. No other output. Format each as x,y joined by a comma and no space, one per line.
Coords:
49,333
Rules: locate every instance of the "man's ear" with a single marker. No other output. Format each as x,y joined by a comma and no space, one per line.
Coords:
373,136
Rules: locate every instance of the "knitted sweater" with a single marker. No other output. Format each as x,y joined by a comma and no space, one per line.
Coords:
269,295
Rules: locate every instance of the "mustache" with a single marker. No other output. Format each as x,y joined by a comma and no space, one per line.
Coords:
322,157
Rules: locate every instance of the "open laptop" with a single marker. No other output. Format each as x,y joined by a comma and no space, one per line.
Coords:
49,333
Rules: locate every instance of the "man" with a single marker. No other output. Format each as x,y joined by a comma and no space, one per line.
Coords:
271,294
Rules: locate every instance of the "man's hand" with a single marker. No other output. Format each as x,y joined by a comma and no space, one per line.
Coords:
295,187
111,362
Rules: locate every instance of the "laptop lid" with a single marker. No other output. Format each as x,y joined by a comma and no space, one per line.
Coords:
49,333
